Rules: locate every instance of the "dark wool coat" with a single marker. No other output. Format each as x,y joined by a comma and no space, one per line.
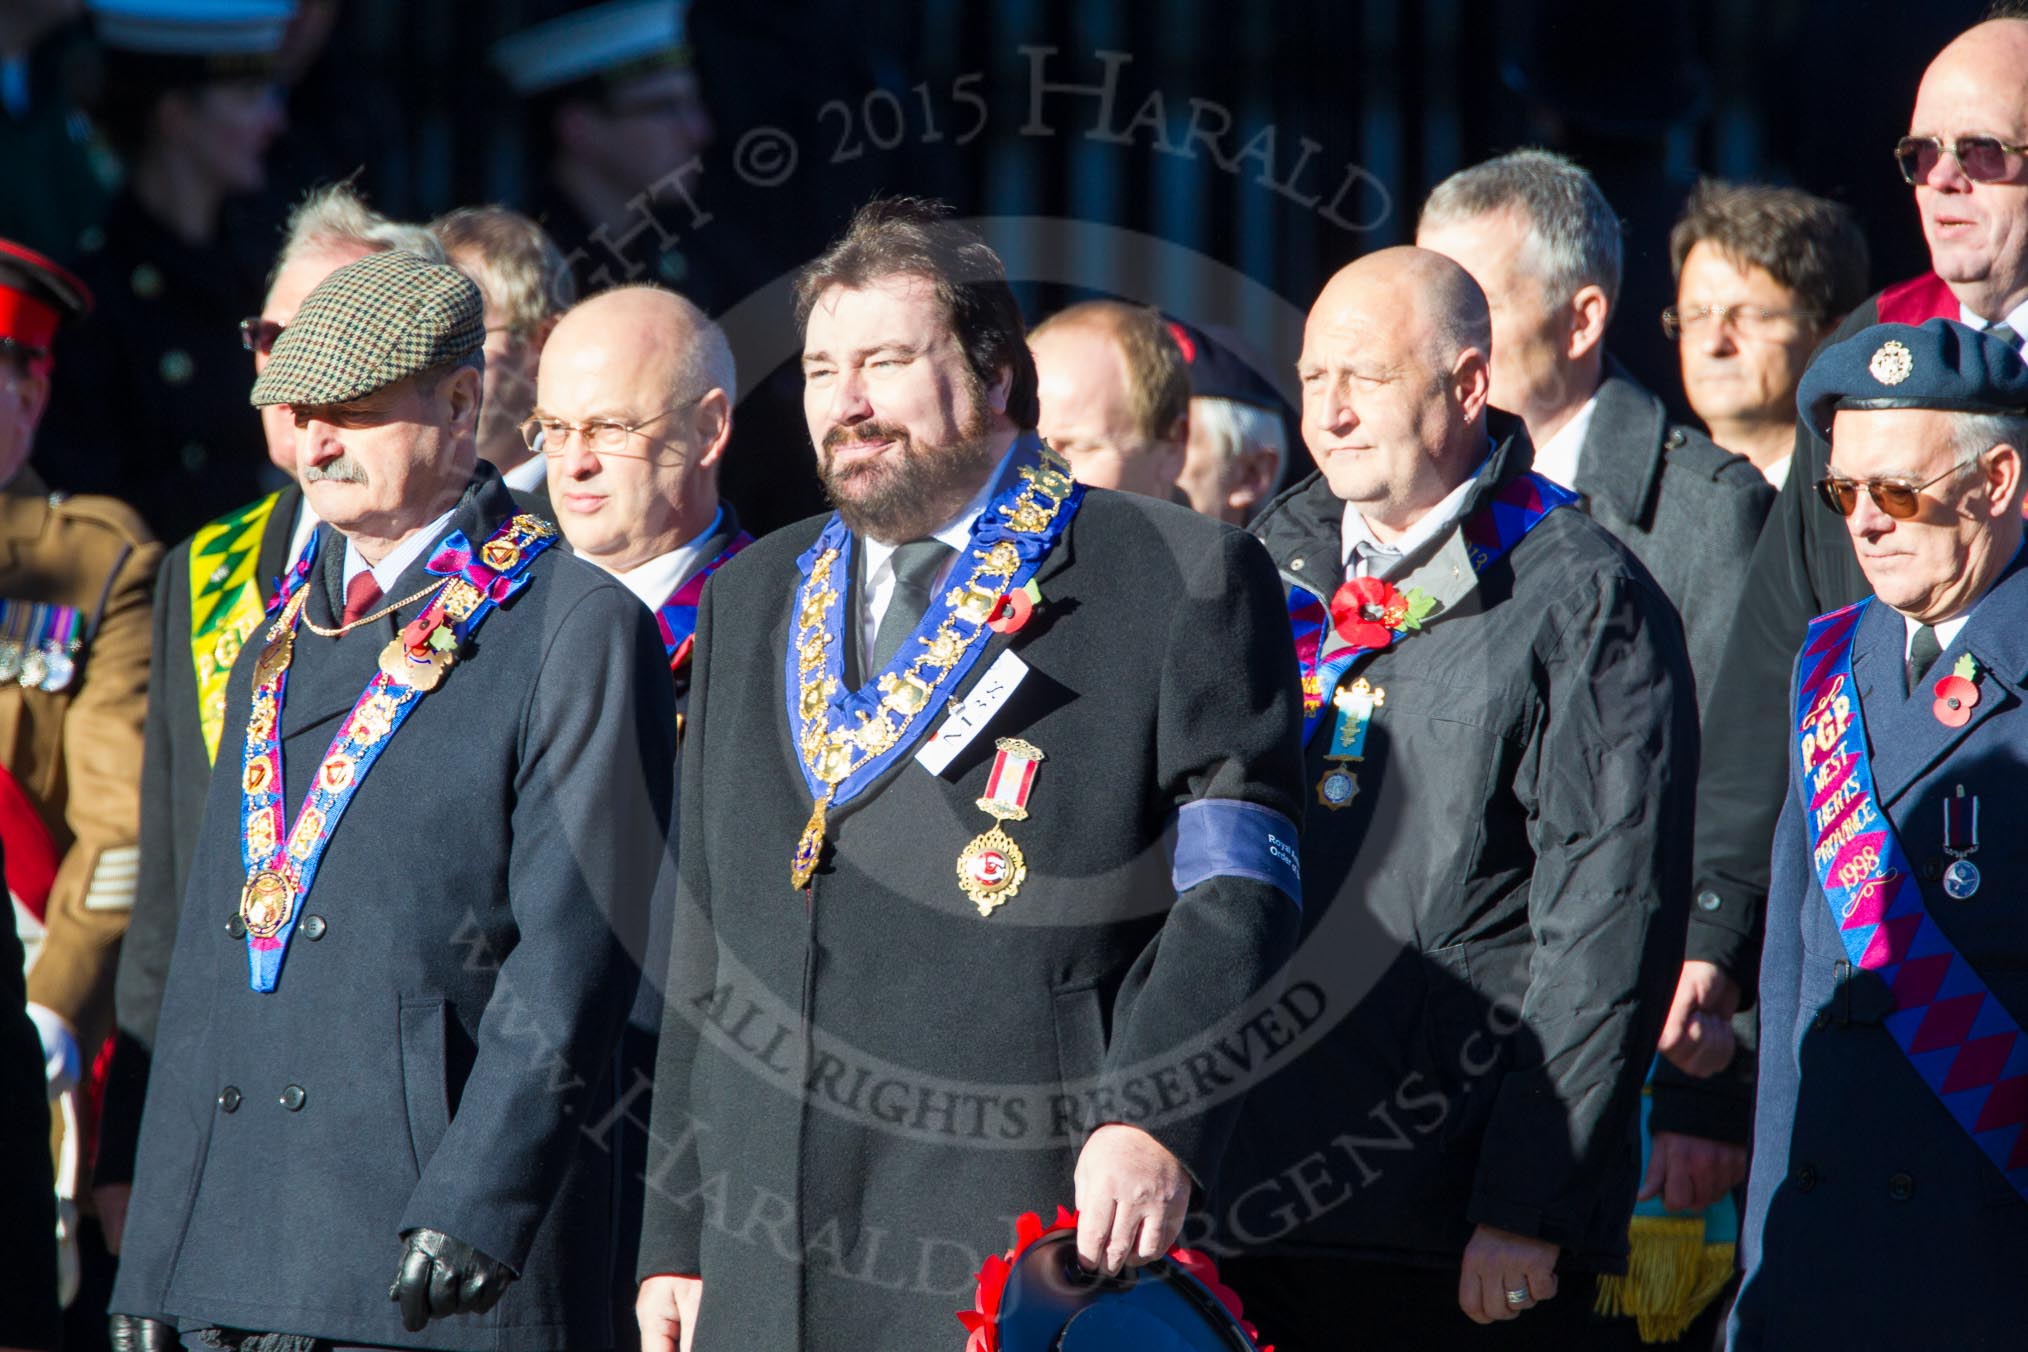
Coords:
1858,1167
437,1050
884,1078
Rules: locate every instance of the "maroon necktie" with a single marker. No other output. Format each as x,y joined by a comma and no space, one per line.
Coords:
362,594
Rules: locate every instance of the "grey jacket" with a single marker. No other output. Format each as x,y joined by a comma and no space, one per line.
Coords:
1688,510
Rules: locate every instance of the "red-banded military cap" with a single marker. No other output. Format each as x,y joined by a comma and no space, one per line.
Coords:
36,298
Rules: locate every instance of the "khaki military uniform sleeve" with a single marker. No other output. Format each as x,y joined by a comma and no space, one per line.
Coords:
93,893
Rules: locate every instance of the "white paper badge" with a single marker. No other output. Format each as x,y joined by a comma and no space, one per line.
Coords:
968,718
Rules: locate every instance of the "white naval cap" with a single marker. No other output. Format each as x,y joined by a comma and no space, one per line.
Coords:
193,28
597,40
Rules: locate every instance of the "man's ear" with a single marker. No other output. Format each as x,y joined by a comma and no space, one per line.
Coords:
2003,478
1472,382
577,127
714,428
462,392
33,387
1589,312
1254,472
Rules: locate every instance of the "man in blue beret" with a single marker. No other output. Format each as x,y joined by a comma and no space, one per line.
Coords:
1894,1069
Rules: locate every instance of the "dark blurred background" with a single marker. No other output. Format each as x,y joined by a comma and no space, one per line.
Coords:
1320,126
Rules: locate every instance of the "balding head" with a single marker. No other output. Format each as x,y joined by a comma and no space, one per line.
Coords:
1394,373
1977,232
643,358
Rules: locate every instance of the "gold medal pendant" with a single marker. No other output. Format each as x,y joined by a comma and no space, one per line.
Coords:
403,667
810,845
266,902
991,869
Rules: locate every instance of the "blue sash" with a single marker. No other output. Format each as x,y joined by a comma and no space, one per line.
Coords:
1967,1048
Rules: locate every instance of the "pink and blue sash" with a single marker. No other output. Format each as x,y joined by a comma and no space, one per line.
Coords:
677,616
1510,512
1967,1048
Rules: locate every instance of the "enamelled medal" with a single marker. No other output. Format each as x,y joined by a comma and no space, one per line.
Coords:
846,739
991,868
280,859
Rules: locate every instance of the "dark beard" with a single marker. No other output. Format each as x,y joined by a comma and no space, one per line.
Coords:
907,497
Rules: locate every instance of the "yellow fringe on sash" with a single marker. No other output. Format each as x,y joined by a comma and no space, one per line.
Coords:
1672,1274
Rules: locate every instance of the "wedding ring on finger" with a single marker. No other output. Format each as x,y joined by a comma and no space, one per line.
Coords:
1519,1296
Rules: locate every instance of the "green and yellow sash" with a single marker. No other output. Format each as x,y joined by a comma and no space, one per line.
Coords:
225,605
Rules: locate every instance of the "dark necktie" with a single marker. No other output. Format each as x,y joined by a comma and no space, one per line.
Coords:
362,594
2005,335
1923,650
915,567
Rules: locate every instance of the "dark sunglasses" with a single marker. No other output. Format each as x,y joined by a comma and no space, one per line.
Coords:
1984,159
258,335
1896,497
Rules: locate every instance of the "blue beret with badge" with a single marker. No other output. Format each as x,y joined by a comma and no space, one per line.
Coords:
1938,364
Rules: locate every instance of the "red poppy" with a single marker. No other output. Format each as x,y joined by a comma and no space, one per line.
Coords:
1367,610
1010,612
1956,697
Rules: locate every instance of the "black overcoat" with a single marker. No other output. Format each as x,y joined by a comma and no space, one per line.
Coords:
886,1079
1494,921
435,1055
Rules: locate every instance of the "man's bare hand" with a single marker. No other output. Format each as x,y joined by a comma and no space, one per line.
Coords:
1697,1036
1689,1173
1131,1198
666,1310
1498,1261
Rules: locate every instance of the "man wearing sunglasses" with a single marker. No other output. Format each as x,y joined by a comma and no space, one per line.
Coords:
1893,978
1963,159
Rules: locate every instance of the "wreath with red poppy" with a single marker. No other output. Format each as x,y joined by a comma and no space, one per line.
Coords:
982,1320
1368,612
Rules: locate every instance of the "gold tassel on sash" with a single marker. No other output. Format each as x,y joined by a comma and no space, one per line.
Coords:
1672,1274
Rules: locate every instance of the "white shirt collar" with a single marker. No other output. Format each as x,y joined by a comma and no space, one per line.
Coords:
1777,474
528,476
1556,459
388,570
2017,320
306,521
657,580
1354,531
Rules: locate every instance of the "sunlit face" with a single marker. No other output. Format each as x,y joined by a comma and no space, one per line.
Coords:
1934,564
1737,370
1377,414
387,463
292,284
1088,414
1977,232
623,507
1531,329
895,412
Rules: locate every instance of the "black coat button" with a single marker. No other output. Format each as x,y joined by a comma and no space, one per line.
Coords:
1822,1020
1901,1187
313,927
292,1097
1806,1178
1933,869
228,1099
235,926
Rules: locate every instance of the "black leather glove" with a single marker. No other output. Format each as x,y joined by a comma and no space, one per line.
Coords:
440,1275
133,1333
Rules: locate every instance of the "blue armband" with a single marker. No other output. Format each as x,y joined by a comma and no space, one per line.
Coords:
1227,838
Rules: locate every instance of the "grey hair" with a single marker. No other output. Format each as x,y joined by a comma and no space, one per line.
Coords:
335,216
1233,427
1575,235
1976,433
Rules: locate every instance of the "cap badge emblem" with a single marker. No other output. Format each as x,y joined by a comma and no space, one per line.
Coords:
1892,363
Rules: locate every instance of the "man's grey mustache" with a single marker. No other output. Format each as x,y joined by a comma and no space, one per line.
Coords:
343,470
